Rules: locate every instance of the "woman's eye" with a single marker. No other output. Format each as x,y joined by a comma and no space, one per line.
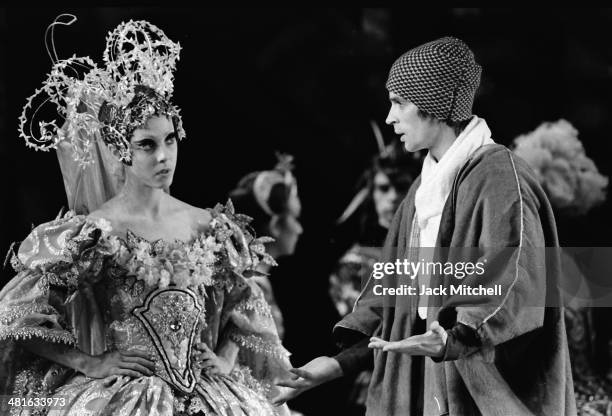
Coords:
170,140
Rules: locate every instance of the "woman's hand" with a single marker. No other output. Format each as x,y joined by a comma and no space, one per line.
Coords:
432,343
206,359
127,363
318,371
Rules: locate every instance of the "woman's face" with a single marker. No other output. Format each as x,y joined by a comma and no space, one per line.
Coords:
154,150
288,228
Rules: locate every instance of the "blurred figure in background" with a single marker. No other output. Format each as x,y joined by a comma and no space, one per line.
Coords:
574,187
384,185
271,199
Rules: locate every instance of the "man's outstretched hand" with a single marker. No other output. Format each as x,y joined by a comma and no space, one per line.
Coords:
318,371
432,343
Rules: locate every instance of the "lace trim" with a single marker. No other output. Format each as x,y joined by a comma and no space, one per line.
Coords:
261,346
9,314
244,376
53,335
259,306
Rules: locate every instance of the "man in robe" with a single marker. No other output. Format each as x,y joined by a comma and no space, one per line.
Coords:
482,354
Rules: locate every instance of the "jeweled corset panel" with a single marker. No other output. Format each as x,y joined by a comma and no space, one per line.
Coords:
165,325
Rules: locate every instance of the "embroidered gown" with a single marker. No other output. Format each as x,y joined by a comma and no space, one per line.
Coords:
79,285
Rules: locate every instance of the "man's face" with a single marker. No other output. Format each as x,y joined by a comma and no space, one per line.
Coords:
417,133
387,193
386,199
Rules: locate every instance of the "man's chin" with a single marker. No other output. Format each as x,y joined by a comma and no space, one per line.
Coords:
408,145
411,146
385,220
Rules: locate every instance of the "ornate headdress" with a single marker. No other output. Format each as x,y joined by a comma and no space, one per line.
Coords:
135,84
265,181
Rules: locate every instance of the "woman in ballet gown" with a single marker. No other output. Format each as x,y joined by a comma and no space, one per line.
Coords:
133,303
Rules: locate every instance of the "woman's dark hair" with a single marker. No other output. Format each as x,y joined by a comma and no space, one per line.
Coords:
245,202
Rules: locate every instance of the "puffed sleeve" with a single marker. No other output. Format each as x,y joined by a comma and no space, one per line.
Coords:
251,326
248,317
50,264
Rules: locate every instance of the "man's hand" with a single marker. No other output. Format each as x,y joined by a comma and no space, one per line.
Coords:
318,371
432,343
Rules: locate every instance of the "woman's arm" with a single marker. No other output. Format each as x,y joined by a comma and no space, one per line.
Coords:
130,363
228,351
60,353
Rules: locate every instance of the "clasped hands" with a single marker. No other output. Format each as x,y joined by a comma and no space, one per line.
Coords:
323,369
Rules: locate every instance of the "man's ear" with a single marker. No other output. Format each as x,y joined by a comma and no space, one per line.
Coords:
274,226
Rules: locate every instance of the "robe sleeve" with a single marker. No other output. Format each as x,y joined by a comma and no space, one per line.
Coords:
500,209
461,341
355,358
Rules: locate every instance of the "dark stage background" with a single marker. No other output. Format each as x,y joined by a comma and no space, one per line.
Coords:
307,82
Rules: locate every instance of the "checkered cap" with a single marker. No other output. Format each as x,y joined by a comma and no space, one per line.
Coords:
439,77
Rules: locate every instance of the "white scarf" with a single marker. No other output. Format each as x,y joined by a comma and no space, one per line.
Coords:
436,182
437,178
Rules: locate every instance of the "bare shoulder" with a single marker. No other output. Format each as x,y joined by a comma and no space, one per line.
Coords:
199,217
106,211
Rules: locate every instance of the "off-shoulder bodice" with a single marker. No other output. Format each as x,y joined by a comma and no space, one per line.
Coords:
158,296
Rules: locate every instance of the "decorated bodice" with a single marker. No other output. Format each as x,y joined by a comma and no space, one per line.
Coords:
157,297
161,298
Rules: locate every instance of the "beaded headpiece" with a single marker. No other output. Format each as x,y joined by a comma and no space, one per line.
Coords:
135,83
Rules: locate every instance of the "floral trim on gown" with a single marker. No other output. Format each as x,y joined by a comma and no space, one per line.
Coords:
79,285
